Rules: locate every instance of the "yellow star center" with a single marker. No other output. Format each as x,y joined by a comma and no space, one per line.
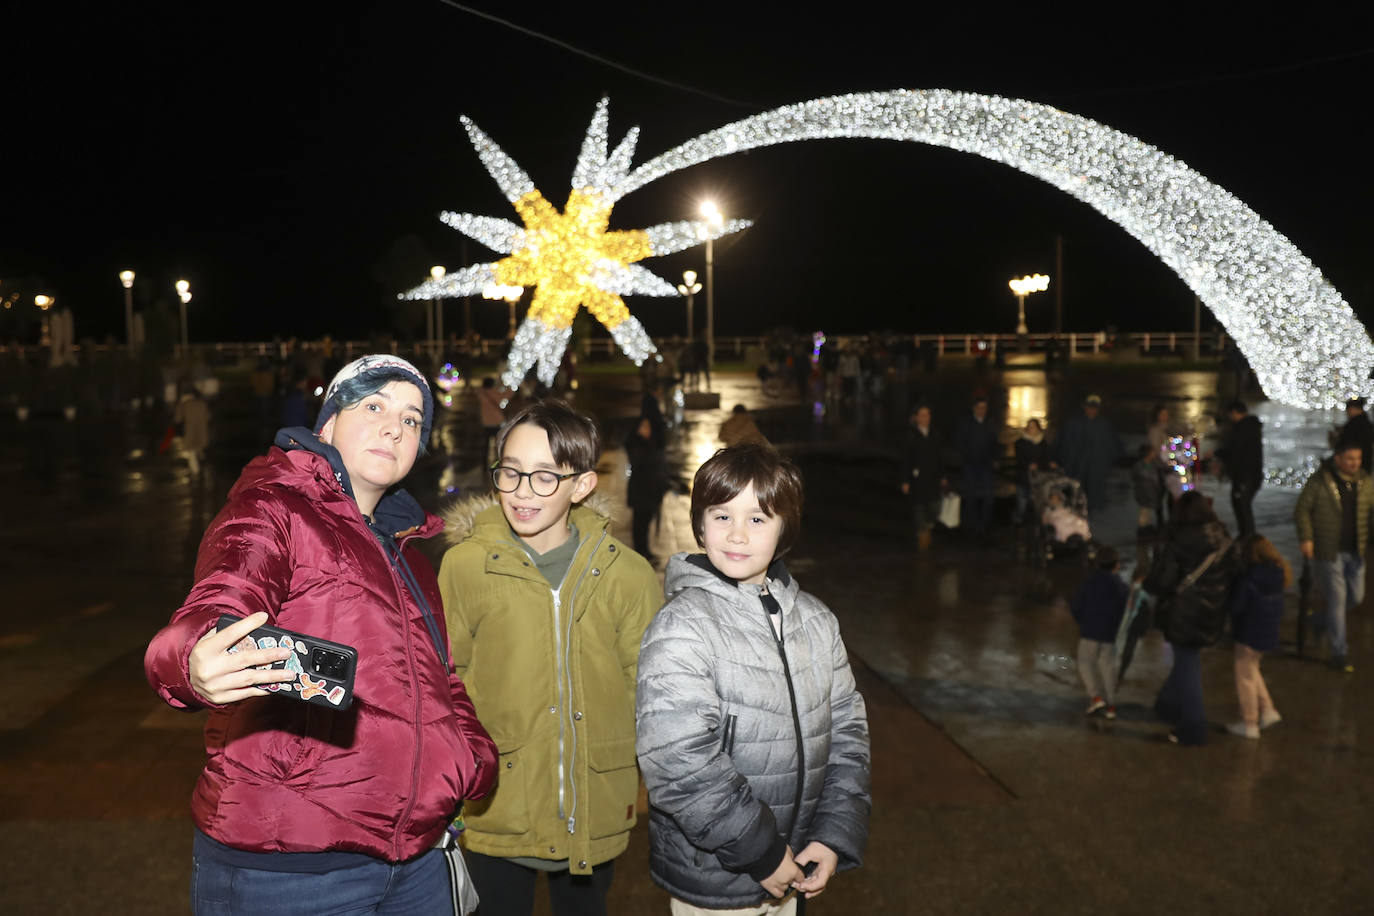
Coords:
567,255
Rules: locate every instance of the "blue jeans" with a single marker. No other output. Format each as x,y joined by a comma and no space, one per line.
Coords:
1343,581
419,887
1180,699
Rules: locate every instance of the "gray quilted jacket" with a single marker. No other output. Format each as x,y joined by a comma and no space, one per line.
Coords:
720,720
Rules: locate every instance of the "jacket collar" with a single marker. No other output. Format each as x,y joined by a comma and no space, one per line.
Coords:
397,513
777,570
481,516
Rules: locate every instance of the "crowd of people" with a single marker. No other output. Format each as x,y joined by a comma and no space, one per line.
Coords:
1193,580
1084,453
503,710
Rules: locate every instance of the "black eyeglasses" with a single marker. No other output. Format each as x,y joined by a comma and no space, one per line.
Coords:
542,483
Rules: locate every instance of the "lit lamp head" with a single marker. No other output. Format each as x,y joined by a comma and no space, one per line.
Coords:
184,290
43,302
1024,286
127,278
689,285
498,291
437,272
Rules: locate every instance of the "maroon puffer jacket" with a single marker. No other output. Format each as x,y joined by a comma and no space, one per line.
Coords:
382,778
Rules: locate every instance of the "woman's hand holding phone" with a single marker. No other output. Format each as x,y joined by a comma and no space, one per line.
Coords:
224,677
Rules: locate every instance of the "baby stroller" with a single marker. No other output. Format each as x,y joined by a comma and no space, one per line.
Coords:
1065,532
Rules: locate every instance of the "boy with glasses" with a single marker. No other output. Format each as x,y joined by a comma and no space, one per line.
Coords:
546,610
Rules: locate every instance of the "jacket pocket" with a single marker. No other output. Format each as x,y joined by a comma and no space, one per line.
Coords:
727,735
614,787
506,810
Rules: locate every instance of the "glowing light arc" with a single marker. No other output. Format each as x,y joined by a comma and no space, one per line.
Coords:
1300,336
1302,339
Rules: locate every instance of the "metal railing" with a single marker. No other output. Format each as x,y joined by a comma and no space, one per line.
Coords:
1149,343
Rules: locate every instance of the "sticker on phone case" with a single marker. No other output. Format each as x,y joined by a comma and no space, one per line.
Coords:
311,688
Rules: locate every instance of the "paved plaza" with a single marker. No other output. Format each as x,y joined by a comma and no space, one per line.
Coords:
991,791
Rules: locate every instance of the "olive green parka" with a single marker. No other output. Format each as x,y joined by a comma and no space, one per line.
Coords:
552,677
1317,514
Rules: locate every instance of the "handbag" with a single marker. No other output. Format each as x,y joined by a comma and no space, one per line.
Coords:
1164,604
464,892
949,510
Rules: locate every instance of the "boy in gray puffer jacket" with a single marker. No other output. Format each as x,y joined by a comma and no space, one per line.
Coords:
751,736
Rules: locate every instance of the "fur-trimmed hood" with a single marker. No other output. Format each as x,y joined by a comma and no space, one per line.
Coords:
460,516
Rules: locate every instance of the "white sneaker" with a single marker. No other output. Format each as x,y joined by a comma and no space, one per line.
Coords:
1096,704
1269,718
1243,730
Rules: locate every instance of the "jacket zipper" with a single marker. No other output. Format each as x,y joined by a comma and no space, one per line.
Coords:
796,718
562,700
419,732
565,676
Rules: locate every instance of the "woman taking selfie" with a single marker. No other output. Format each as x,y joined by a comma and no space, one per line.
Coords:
303,807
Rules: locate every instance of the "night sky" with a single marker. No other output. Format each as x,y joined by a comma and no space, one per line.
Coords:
290,160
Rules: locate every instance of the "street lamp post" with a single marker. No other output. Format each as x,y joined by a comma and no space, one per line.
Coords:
184,294
437,303
126,277
716,219
1023,287
44,303
511,294
689,287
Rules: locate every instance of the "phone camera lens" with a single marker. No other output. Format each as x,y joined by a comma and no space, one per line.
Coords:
329,664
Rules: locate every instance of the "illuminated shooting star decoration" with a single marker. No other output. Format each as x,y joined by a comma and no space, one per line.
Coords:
571,258
1301,337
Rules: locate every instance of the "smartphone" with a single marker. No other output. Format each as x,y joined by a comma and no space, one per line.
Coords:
324,669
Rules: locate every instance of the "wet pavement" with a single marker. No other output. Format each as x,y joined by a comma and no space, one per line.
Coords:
992,792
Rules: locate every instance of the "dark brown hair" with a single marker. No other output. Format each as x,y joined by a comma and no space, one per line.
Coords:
777,484
573,438
1194,508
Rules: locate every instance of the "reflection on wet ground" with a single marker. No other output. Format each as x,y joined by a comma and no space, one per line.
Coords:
992,792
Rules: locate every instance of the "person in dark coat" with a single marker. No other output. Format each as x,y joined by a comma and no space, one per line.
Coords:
923,473
1157,436
1087,449
658,424
1334,517
1098,606
1033,453
975,439
648,481
1146,489
1242,457
1358,430
1190,607
1256,611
